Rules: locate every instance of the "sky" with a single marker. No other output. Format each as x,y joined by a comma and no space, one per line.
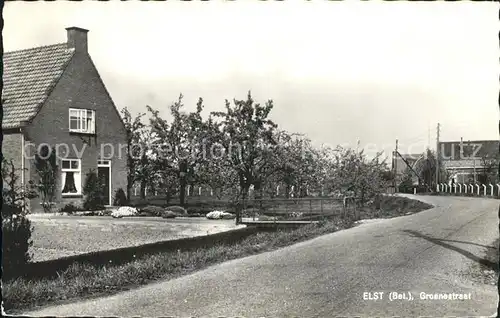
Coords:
339,72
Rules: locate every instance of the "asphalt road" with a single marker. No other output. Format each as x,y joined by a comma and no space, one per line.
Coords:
328,276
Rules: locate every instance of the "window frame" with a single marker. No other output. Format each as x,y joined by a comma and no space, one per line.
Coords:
82,116
74,170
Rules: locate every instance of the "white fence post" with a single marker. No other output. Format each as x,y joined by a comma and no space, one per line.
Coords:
211,192
498,185
471,189
477,185
188,189
454,188
277,190
437,187
465,188
135,191
491,189
414,190
199,191
460,188
484,189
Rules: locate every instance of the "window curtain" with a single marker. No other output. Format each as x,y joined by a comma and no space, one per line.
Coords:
69,183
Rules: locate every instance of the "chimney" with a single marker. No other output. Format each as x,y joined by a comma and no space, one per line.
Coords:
77,39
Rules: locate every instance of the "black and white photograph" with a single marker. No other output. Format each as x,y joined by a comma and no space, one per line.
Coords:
250,158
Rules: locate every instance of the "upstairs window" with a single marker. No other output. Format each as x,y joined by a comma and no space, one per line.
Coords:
82,120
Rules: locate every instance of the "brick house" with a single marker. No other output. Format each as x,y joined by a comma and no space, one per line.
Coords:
53,96
468,161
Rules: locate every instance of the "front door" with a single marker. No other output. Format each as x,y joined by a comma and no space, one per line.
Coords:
104,174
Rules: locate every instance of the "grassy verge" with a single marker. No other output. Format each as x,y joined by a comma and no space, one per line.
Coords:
392,206
84,281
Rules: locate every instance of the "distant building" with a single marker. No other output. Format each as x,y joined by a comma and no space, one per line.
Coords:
399,166
470,161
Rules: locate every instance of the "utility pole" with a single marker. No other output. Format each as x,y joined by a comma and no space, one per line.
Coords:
437,154
474,165
462,154
396,168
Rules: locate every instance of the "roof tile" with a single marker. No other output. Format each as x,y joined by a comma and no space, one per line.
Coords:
29,76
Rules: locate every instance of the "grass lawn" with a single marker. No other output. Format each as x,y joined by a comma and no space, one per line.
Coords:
83,281
58,236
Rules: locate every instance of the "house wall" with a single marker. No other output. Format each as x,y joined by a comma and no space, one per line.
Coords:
12,150
11,147
81,87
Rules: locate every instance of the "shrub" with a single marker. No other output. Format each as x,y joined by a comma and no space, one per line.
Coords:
217,215
124,211
46,168
267,218
13,193
16,228
177,209
16,241
93,191
195,215
70,208
152,210
168,214
203,210
120,198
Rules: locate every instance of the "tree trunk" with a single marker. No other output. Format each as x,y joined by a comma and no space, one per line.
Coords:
182,193
182,183
168,196
129,190
244,187
258,192
130,171
143,190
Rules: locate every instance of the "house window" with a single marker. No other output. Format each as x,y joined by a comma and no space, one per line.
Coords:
71,177
104,163
82,120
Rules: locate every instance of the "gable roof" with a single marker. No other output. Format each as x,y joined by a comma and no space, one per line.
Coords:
29,77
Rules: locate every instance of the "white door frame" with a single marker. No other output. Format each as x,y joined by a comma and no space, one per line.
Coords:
106,164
